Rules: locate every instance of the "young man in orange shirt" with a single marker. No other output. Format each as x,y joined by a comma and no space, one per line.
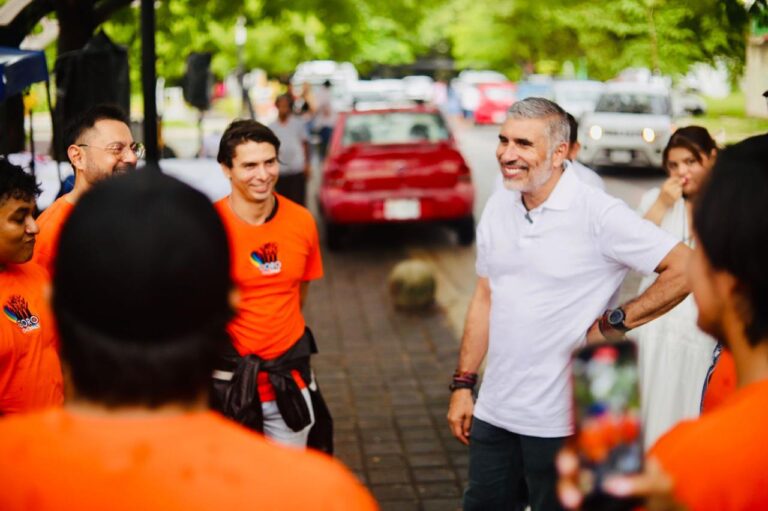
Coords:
30,371
141,319
264,380
718,461
99,145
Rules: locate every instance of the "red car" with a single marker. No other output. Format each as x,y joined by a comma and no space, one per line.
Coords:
392,166
495,100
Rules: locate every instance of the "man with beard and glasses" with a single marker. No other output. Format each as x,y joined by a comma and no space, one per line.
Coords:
99,145
549,258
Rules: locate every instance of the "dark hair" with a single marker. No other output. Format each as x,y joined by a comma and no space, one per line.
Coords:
286,97
574,125
16,184
88,119
141,291
694,138
240,132
731,221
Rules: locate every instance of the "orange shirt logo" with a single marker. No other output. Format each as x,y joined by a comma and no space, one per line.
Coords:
266,260
17,310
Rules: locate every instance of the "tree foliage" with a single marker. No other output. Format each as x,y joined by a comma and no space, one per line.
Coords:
511,36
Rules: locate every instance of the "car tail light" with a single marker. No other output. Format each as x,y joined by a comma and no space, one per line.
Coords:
465,176
334,177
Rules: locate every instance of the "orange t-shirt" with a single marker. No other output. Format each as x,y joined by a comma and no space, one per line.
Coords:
30,371
718,462
722,382
50,222
196,461
269,263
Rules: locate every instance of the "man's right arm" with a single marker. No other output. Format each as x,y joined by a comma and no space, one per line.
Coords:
474,345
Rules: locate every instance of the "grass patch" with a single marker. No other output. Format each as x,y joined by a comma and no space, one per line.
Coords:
726,120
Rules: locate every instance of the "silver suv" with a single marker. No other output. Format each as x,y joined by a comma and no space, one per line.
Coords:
630,126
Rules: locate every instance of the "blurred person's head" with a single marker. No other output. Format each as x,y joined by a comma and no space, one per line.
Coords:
248,154
574,146
533,143
141,294
99,144
690,155
284,105
18,230
728,272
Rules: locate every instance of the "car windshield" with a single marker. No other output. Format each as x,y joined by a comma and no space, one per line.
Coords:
499,93
394,128
633,103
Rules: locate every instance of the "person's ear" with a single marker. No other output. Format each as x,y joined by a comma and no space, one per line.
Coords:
226,170
559,156
76,155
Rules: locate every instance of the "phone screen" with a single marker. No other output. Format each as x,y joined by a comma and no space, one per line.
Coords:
607,413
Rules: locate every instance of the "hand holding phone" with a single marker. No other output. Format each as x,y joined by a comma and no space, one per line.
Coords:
607,416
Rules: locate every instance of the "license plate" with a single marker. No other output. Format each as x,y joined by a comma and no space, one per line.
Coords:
621,156
402,209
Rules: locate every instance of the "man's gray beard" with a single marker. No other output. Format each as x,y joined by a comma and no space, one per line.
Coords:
537,181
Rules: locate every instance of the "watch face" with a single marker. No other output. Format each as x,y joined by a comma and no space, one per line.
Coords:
616,317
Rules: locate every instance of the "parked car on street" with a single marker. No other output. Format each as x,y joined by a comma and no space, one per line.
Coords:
495,100
577,97
394,166
629,127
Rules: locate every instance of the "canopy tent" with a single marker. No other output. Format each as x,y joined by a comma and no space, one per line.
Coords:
18,70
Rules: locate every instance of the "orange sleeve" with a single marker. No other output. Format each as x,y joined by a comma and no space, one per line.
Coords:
722,384
314,266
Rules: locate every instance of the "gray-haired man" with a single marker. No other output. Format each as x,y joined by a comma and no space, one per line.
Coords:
549,257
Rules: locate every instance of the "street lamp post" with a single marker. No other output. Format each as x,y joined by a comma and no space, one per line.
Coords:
241,35
149,80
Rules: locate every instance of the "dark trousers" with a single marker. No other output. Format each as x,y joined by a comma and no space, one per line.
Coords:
502,464
293,186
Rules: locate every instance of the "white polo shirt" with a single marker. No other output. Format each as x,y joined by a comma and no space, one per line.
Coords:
550,277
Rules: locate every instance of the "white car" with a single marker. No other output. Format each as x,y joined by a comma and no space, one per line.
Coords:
577,97
630,126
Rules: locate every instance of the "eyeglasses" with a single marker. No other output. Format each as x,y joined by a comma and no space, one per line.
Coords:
117,150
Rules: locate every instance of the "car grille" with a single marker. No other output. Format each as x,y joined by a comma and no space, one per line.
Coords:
623,133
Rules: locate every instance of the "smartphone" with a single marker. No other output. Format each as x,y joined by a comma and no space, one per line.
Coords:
607,417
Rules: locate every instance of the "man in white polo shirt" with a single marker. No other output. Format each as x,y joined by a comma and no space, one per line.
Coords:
549,257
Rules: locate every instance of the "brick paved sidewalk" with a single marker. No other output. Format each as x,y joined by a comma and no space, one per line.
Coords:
385,375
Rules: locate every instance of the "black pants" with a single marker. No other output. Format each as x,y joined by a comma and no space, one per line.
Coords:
502,464
293,186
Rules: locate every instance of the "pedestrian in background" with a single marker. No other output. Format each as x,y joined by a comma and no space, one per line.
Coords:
30,371
99,145
294,151
264,379
673,353
141,319
325,116
550,256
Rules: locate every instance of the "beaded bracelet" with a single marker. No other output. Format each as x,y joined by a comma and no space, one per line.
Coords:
463,380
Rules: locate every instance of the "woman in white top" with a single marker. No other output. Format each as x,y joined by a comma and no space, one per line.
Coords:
674,354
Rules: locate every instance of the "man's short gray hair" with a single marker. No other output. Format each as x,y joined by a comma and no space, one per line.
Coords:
558,129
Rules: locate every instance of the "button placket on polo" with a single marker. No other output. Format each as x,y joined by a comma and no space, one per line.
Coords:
529,228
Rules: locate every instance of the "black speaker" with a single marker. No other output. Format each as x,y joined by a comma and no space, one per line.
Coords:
98,73
198,80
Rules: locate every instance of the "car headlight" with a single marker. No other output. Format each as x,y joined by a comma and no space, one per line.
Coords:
596,132
649,135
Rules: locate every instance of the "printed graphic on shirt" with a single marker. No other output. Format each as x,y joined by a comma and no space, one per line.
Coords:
266,260
17,310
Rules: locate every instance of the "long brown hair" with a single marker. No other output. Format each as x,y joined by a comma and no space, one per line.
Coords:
694,138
